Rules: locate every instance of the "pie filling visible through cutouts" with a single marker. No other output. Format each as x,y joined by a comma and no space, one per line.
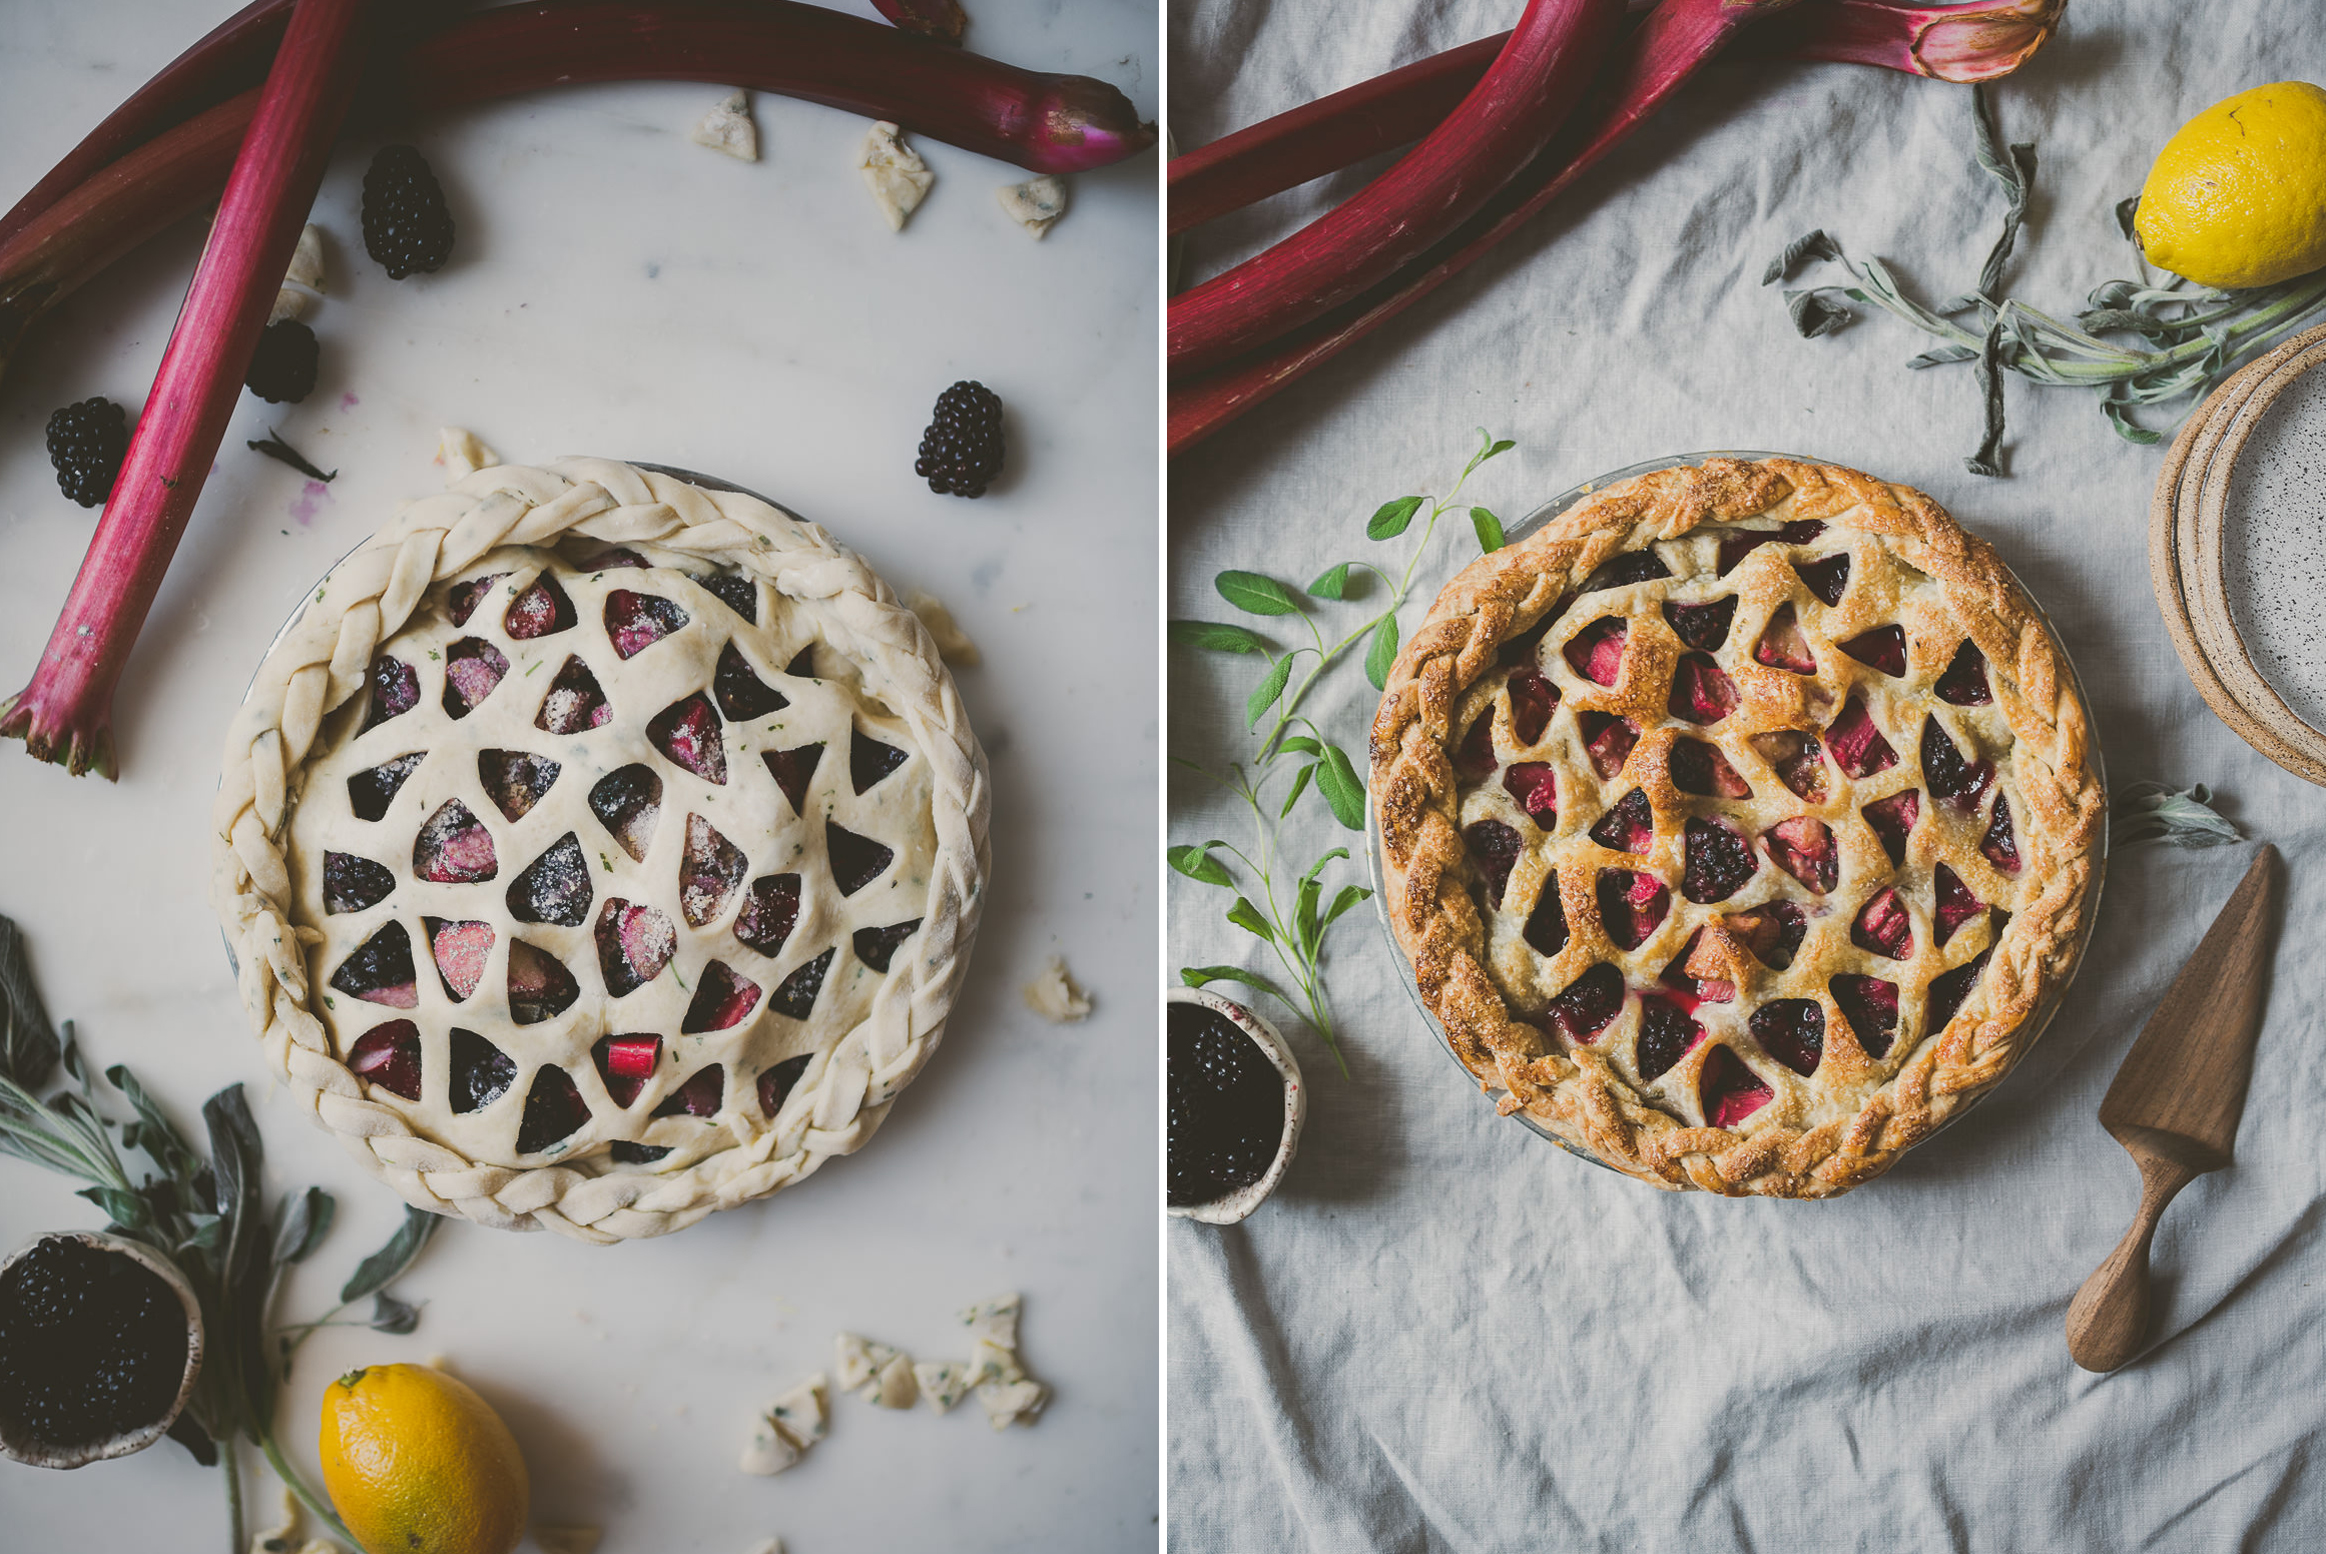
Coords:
1745,864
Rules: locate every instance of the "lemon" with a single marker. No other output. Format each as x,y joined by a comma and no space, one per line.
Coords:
417,1463
2237,197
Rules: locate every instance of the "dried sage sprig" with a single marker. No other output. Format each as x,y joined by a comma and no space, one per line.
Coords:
2177,817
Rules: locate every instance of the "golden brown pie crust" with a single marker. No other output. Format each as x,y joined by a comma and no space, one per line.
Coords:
1910,566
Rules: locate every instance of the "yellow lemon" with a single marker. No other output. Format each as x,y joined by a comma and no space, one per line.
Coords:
2238,196
417,1463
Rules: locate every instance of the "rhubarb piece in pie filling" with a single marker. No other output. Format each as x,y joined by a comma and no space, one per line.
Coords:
1629,827
1965,682
722,1000
1546,926
1956,904
1589,1004
574,701
350,883
540,988
460,950
1702,692
395,691
1799,761
1494,848
1871,1007
389,1056
380,970
472,667
1804,848
1857,744
1695,974
1892,820
1727,1091
625,1063
688,732
777,1082
635,622
1701,626
1718,860
1632,906
1596,652
1783,645
1536,787
1607,739
770,909
1532,701
708,874
542,610
454,848
1791,1030
635,942
1667,1034
1882,926
1883,648
698,1097
1701,769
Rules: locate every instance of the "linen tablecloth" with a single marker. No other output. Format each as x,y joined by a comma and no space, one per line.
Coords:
1444,1334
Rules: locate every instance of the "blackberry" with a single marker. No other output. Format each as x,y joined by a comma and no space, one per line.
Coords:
283,368
406,225
961,452
86,443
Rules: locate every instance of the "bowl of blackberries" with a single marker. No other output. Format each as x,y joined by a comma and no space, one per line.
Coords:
1236,1107
100,1341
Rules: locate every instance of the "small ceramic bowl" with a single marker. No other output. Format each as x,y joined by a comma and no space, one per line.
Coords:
1241,1202
18,1447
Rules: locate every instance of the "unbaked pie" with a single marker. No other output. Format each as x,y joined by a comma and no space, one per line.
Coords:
1736,823
599,850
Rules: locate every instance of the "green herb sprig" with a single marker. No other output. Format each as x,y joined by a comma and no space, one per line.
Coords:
2178,817
206,1215
2188,337
1293,921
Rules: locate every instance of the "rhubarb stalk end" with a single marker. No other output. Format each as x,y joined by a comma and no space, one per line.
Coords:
78,751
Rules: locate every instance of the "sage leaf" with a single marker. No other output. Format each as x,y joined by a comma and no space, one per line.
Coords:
1350,895
2178,817
1197,863
2126,211
1807,247
2013,169
1991,385
155,1135
1255,594
385,1266
1489,527
1202,976
28,1043
1813,315
303,1222
1941,355
1337,780
1220,636
1391,518
1304,918
1318,867
390,1315
126,1209
2120,417
1247,917
1332,583
1299,744
1299,786
1487,448
1265,693
1382,653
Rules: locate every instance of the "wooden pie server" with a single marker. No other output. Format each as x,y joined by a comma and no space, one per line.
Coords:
2174,1104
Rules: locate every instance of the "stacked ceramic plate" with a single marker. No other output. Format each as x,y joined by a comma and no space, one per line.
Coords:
2237,552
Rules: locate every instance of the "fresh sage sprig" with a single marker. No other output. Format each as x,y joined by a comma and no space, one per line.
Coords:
2188,337
1293,921
206,1215
2178,817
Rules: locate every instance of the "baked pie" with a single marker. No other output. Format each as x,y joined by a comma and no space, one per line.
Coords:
599,850
1737,822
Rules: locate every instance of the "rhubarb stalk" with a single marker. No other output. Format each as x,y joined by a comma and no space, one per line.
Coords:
1976,41
1499,127
1662,54
66,713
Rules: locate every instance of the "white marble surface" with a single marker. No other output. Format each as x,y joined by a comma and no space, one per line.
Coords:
617,290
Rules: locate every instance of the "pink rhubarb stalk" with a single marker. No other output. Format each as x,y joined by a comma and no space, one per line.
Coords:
1047,123
1976,41
66,713
1662,54
942,20
1496,131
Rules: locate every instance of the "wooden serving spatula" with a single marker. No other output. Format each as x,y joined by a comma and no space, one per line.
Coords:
2175,1103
